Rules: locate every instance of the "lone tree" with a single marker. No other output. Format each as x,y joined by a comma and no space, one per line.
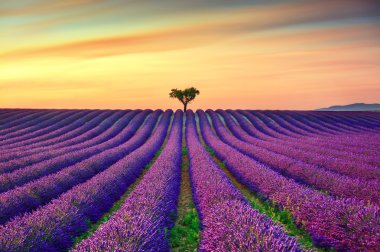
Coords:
184,96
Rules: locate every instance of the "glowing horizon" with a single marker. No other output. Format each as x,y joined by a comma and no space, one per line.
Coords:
239,54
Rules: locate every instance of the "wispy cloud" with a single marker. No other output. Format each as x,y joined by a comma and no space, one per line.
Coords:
267,47
38,7
212,27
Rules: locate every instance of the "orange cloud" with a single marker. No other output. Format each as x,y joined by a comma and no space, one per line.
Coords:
286,55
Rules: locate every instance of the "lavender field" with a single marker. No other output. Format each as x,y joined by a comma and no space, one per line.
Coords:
214,180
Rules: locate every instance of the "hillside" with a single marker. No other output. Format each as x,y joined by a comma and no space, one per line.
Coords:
353,107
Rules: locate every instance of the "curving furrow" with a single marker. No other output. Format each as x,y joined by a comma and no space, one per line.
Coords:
305,119
228,221
292,121
5,156
31,156
54,164
140,223
354,118
97,130
53,185
354,142
61,120
346,225
373,116
328,122
72,128
62,170
352,167
13,114
325,145
369,130
282,117
289,128
28,122
21,161
279,124
38,141
310,142
23,117
333,183
272,125
373,124
65,136
52,227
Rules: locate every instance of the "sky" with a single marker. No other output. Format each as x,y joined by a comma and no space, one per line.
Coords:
120,54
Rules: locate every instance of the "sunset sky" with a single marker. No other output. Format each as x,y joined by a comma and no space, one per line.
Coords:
261,54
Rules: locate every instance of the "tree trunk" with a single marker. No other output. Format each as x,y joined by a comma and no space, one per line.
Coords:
184,107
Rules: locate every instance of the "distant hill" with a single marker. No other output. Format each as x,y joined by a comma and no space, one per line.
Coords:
353,107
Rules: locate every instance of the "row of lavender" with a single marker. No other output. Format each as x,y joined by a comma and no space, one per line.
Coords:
344,140
26,129
242,144
269,115
52,227
307,118
334,164
275,126
141,222
346,224
24,119
283,242
324,156
89,125
13,158
40,191
328,155
42,164
279,127
46,128
229,223
287,164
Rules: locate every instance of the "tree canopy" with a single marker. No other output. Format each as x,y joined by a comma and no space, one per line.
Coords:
184,96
